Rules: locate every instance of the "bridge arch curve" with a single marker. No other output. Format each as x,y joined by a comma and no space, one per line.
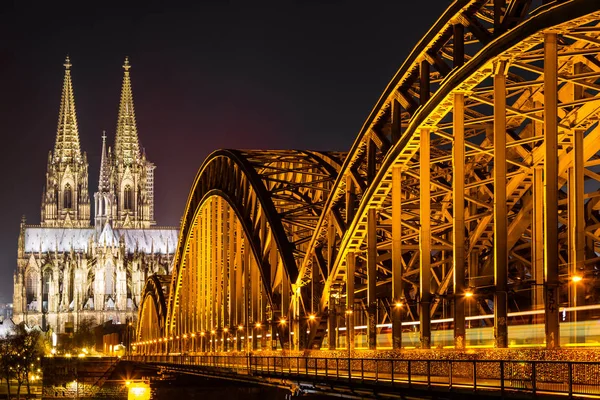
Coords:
152,314
244,227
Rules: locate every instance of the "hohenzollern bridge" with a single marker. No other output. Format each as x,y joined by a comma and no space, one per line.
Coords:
466,215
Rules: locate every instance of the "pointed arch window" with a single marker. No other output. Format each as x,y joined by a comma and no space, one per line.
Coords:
128,198
68,197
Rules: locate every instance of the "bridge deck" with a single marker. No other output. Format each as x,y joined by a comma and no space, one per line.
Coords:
505,377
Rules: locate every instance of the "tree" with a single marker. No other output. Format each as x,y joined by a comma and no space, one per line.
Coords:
21,351
84,337
7,360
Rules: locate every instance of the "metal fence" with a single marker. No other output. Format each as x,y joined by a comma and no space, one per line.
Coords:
533,377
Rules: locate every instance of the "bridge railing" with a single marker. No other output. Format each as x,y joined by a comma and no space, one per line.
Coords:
533,377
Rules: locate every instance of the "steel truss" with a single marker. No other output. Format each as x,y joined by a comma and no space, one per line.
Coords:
483,152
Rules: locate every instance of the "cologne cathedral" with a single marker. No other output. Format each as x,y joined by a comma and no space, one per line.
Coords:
70,269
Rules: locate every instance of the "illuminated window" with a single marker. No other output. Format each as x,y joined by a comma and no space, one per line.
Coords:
68,197
128,198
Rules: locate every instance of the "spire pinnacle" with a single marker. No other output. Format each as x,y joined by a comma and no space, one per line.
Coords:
104,181
126,65
127,146
67,146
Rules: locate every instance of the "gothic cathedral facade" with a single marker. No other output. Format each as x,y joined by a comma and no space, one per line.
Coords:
70,269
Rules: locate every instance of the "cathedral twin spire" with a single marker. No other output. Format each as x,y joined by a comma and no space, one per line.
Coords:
125,187
67,146
127,146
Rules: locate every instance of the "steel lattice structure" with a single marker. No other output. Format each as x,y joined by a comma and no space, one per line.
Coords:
483,152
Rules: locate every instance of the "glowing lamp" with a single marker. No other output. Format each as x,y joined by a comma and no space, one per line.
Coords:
576,278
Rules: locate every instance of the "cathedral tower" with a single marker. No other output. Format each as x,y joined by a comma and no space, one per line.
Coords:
65,199
131,175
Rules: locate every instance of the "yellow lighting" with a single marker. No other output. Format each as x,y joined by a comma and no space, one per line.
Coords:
349,312
139,392
225,329
282,321
177,336
240,328
212,332
312,317
201,333
81,355
258,325
171,337
468,293
68,355
127,383
185,336
576,278
193,335
399,304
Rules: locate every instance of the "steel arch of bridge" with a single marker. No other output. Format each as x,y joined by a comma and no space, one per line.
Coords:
248,218
503,96
153,310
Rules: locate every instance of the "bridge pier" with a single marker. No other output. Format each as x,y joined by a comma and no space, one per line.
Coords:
500,222
425,240
551,255
350,268
332,322
397,286
458,218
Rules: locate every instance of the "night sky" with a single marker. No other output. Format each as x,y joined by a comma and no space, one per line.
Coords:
263,75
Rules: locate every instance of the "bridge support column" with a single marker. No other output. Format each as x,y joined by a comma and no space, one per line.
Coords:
551,190
458,218
500,223
372,278
537,224
350,268
332,323
264,340
425,241
576,228
397,289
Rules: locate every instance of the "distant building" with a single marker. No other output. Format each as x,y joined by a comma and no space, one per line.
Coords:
6,311
69,269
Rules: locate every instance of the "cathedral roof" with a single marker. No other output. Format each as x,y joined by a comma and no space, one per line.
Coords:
127,146
161,240
67,146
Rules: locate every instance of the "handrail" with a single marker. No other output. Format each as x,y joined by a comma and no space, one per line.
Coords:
572,378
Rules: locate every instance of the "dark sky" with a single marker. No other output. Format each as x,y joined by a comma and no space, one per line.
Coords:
245,74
